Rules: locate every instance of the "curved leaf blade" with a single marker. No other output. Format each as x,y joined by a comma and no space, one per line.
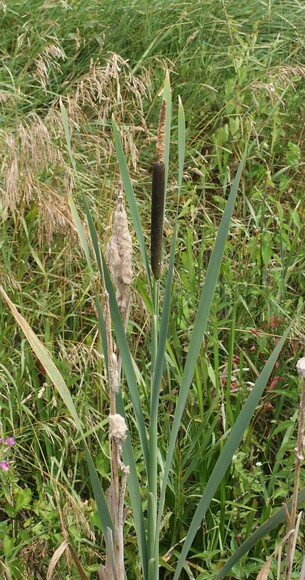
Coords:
200,326
59,383
228,451
272,522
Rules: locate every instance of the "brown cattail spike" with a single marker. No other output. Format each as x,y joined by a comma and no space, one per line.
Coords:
157,216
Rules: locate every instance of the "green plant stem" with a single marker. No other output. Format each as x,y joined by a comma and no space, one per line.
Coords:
153,544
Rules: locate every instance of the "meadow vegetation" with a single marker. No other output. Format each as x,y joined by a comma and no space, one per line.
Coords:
68,68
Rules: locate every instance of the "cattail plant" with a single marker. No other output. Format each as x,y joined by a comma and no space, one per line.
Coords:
148,505
118,254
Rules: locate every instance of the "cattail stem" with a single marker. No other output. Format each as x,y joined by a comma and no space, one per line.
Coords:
298,461
118,253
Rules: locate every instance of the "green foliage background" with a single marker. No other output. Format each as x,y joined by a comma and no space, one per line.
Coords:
239,69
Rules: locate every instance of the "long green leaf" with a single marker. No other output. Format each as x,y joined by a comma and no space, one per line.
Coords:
167,95
181,145
67,133
80,230
199,327
59,383
271,523
228,451
156,383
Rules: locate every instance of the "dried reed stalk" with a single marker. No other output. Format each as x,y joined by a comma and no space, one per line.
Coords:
118,253
298,461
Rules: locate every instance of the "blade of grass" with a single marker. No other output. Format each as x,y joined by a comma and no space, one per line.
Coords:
273,522
199,327
228,451
80,231
167,95
59,383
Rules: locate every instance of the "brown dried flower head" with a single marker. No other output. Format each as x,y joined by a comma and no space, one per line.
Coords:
119,255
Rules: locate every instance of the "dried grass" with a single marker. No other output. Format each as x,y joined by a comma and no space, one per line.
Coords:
279,79
34,165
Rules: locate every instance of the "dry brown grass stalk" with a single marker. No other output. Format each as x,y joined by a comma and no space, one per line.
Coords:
118,254
114,566
299,457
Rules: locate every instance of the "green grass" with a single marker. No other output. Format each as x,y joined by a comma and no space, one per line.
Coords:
238,69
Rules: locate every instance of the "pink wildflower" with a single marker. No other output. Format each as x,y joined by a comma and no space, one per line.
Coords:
10,441
4,465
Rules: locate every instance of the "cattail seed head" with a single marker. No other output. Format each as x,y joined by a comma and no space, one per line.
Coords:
157,216
158,197
119,255
301,367
118,428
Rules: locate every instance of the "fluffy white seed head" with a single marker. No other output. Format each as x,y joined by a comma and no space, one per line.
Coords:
119,255
301,367
118,428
